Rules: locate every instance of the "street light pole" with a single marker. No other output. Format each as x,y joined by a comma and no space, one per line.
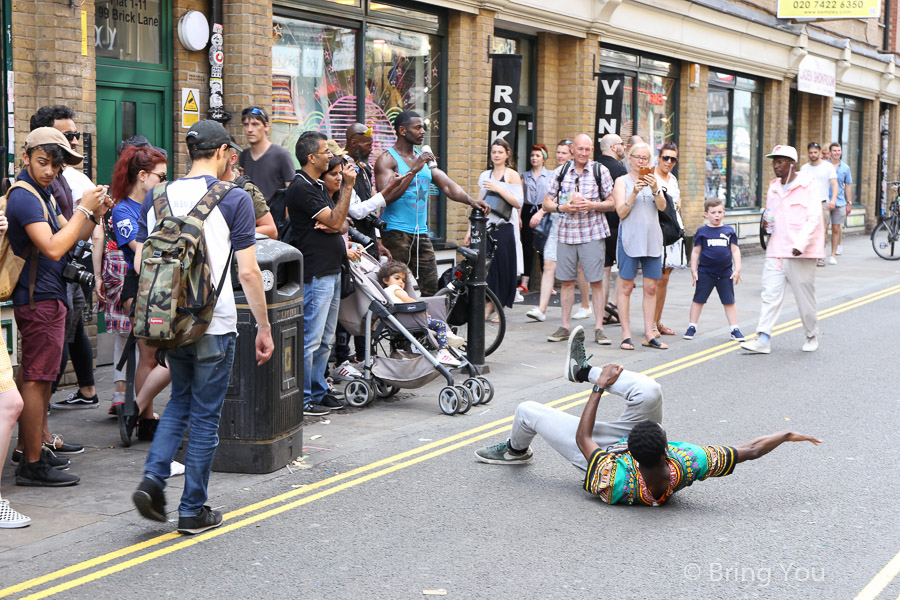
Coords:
476,284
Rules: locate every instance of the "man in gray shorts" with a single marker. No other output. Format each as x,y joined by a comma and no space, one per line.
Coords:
581,199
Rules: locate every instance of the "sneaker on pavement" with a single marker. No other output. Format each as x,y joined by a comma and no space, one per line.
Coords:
345,372
600,337
690,333
560,335
519,297
117,398
583,313
454,340
332,403
206,520
445,358
334,391
840,250
150,500
736,335
315,410
58,446
77,400
500,454
576,358
811,344
176,469
41,474
57,462
11,519
536,314
757,346
832,260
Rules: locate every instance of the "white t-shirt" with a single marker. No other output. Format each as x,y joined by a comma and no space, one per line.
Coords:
823,173
78,182
391,292
235,208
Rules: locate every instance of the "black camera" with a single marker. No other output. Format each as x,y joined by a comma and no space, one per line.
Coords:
360,238
373,220
75,272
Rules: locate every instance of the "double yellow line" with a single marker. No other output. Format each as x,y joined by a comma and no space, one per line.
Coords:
338,483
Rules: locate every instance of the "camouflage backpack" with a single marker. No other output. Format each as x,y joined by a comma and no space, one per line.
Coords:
176,298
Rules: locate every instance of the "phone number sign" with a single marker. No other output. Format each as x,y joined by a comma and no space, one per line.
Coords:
828,9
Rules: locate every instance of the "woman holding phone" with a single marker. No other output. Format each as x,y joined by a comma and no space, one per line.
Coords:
639,198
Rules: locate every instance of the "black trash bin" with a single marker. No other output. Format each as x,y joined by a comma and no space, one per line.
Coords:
261,426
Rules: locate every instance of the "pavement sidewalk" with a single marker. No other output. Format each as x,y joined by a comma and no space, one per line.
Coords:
525,366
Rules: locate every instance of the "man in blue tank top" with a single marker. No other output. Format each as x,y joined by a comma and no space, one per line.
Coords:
406,235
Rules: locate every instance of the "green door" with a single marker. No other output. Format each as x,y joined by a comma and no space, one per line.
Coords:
122,113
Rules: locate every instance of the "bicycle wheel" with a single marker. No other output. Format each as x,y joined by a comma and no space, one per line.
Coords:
885,240
763,236
494,332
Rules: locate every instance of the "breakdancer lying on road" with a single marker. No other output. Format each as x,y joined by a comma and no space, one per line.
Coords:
629,460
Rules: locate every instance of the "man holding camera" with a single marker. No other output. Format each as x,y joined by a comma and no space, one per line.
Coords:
40,234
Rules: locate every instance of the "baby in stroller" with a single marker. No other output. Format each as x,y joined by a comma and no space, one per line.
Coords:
392,276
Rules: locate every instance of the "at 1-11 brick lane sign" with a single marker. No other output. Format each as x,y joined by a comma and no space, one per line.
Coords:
828,9
128,30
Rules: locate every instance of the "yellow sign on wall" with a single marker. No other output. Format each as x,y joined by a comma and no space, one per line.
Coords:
828,9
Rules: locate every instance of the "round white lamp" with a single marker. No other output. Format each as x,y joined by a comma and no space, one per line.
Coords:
193,30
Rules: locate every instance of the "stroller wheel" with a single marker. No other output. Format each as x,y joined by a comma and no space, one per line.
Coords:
488,389
465,399
476,389
359,392
383,390
448,400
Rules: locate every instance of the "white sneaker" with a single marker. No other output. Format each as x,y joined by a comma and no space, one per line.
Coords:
832,260
519,297
757,347
176,469
346,372
811,344
583,313
454,340
536,314
445,358
11,519
840,250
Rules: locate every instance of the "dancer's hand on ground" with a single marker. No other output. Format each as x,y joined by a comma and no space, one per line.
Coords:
793,436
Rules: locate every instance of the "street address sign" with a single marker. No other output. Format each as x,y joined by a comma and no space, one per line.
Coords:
828,9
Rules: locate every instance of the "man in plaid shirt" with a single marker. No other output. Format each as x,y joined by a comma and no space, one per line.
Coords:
582,230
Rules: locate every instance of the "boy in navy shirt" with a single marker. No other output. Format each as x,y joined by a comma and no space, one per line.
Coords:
715,251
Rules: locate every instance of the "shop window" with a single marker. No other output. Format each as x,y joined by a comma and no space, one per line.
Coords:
846,129
650,107
733,140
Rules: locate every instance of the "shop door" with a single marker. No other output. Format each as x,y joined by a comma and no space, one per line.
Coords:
122,113
524,141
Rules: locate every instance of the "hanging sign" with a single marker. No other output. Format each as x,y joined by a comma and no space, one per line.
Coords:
829,9
506,74
610,95
190,108
816,76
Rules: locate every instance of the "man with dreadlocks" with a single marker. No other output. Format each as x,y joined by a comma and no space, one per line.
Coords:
630,460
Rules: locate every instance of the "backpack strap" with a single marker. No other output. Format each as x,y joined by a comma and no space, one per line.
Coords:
35,253
161,206
562,174
211,199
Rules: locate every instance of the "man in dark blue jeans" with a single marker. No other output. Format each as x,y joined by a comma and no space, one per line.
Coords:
200,371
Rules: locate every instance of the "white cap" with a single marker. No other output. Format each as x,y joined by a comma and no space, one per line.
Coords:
785,151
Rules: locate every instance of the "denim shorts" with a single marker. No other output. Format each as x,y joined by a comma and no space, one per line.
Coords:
651,266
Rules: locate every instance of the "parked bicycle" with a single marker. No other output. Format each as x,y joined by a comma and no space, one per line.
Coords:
454,285
886,235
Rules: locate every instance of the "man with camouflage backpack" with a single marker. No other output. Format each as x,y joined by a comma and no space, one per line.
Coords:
201,367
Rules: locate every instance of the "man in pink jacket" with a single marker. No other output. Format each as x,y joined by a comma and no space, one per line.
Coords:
794,217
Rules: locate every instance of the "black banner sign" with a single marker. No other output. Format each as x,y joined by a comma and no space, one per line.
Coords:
505,76
610,94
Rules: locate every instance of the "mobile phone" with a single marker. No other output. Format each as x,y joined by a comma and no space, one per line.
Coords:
645,171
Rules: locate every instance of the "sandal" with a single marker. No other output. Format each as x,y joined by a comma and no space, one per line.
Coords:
820,262
664,330
627,344
612,313
655,343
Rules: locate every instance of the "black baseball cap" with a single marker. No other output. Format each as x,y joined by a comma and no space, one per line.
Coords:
207,135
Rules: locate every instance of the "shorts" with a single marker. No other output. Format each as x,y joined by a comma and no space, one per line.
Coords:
550,246
651,266
612,243
43,334
837,216
705,283
589,254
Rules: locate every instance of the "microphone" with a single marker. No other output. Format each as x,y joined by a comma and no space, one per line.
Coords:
431,164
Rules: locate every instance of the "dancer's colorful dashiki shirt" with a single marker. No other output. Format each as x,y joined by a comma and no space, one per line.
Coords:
613,475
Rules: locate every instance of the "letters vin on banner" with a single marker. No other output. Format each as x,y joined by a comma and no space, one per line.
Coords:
610,94
505,75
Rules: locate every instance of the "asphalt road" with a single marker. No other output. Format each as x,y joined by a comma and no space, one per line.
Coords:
802,522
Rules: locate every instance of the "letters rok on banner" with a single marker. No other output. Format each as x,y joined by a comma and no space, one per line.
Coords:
610,94
505,76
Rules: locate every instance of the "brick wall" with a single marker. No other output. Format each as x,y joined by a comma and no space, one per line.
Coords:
871,151
548,132
190,70
248,59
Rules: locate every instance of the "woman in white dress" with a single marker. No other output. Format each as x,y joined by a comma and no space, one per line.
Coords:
673,253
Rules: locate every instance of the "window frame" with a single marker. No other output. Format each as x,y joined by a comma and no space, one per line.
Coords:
758,88
838,108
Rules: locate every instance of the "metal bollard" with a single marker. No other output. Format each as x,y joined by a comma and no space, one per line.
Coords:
477,286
